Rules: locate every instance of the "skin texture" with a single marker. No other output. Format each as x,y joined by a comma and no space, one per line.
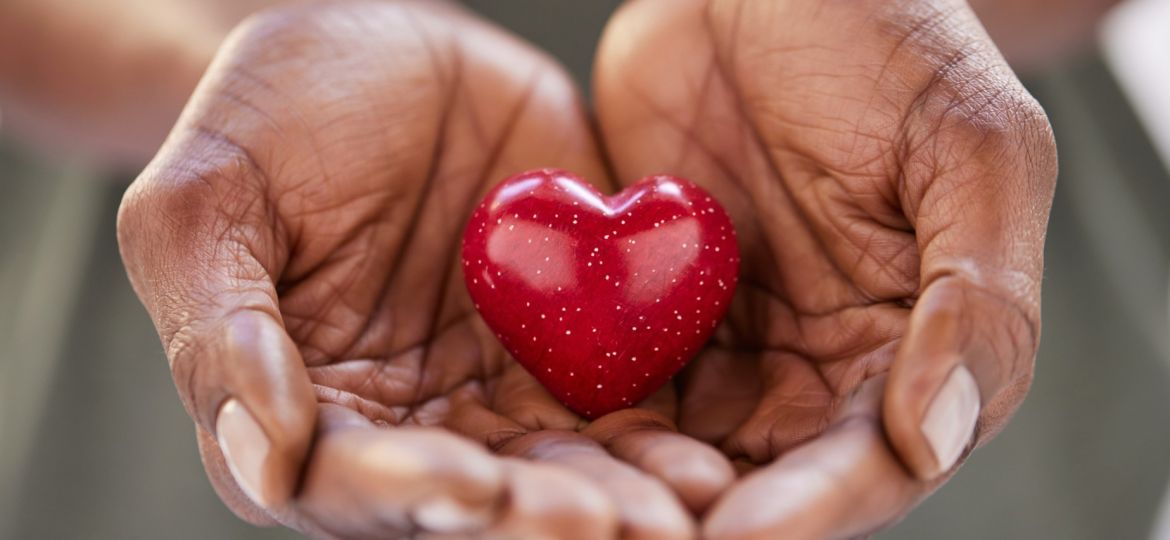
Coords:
890,181
296,243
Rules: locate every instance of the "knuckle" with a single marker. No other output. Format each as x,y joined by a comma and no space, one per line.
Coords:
188,230
1003,311
985,114
180,207
963,101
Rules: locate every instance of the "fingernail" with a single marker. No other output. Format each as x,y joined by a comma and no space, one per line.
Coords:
950,419
244,447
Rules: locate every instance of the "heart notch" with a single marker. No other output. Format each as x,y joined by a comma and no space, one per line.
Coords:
602,299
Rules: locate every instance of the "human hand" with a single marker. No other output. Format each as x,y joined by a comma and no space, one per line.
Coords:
296,243
890,180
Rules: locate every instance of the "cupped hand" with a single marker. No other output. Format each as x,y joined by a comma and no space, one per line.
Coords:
296,243
890,180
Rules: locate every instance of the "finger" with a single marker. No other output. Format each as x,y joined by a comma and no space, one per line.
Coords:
547,501
963,368
201,253
843,484
366,482
646,508
469,416
225,487
695,471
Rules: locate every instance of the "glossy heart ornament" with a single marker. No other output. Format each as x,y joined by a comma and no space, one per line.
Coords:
602,299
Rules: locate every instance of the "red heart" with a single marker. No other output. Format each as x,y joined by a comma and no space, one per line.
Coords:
602,299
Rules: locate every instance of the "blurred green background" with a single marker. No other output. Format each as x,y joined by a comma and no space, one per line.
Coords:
94,443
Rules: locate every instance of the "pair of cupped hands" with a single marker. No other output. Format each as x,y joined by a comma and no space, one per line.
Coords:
296,244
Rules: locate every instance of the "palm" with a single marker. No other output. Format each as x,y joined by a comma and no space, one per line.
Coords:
296,242
840,152
370,288
362,201
830,260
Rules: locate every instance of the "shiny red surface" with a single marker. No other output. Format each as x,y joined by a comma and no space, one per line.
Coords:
601,298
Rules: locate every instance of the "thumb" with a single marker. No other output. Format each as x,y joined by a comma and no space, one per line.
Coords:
963,368
201,251
966,361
